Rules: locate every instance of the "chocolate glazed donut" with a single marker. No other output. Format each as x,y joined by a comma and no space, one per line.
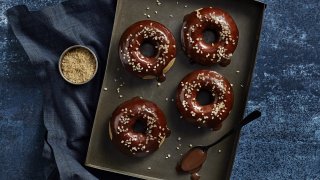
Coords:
226,36
122,127
143,66
212,114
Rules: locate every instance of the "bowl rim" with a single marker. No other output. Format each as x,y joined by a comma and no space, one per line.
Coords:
69,49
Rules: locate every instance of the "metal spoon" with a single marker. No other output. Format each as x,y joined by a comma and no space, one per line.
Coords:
196,156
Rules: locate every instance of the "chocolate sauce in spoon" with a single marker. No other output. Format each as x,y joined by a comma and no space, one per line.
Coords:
192,161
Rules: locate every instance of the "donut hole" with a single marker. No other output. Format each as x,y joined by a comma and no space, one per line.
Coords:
140,126
205,97
148,49
210,36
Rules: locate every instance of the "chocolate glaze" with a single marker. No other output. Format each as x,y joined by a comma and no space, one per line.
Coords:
147,67
217,20
210,115
138,143
192,161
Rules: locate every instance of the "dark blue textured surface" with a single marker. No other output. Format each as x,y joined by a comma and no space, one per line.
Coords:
283,144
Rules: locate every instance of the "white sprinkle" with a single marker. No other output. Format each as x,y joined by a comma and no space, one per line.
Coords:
177,2
241,85
145,14
169,155
199,127
120,96
238,71
158,2
172,100
231,85
219,151
171,15
106,89
185,6
167,99
190,145
156,12
159,84
181,117
147,8
149,168
177,148
148,16
179,138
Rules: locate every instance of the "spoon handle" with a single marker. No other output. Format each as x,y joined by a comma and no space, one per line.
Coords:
249,118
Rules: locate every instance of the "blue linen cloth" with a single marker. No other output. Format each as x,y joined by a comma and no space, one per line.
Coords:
68,110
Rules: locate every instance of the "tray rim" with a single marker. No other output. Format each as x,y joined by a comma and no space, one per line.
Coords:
237,134
255,52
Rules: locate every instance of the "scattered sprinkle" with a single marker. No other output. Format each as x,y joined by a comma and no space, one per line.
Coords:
231,85
241,85
145,14
148,16
190,145
238,71
181,117
172,100
199,127
147,8
219,151
177,148
120,96
171,15
185,6
169,155
177,2
149,168
159,84
156,12
167,99
179,138
106,89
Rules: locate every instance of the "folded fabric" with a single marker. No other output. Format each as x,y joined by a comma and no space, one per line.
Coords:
68,110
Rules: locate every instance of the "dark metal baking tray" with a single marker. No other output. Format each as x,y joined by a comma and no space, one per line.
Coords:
248,15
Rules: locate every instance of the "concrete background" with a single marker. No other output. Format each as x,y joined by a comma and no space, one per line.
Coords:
283,144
